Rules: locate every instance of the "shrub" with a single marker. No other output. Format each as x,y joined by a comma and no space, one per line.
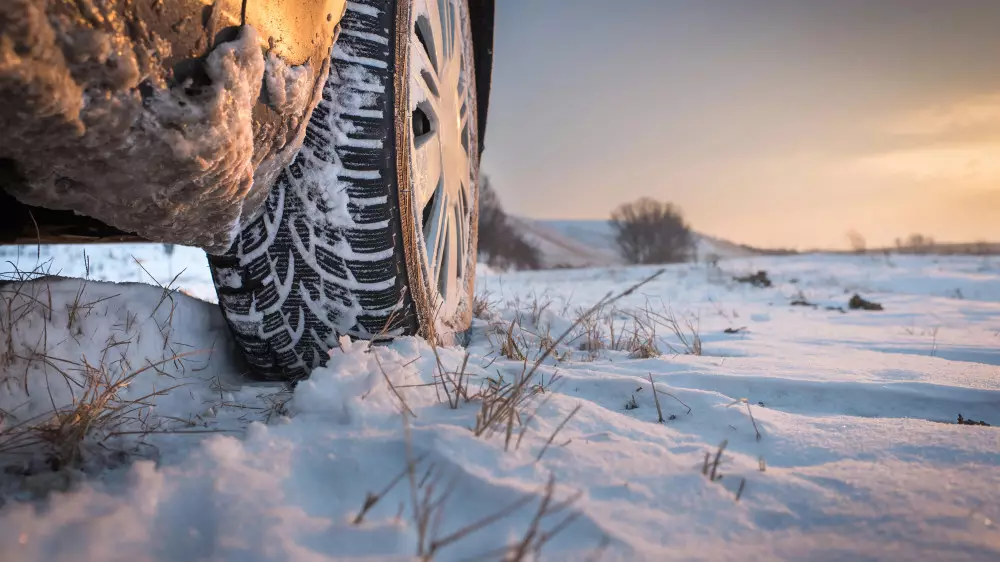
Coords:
649,231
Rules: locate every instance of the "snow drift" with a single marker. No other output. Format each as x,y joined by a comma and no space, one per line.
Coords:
798,432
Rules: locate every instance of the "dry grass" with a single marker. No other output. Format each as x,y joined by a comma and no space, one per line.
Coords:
503,402
636,332
454,383
19,300
385,335
591,333
512,343
431,492
596,330
631,404
686,330
538,307
97,411
656,399
710,468
482,306
93,407
641,341
271,405
749,413
656,392
166,297
645,349
501,406
506,404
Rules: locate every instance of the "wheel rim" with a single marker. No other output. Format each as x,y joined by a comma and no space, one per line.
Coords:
443,167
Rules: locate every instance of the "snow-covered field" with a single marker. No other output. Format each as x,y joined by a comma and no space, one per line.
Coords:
839,427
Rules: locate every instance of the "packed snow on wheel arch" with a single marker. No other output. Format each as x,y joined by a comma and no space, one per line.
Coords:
324,153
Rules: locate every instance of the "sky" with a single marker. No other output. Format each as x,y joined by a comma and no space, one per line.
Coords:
777,123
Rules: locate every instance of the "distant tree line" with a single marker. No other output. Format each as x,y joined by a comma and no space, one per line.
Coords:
915,243
500,244
912,244
924,244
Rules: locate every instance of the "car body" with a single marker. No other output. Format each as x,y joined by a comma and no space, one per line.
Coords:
116,128
324,154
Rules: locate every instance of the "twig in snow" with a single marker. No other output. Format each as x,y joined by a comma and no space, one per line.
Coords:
372,499
655,392
752,420
710,468
556,432
659,412
428,511
530,545
392,387
686,331
534,538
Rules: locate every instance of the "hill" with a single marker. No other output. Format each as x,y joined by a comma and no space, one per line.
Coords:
590,243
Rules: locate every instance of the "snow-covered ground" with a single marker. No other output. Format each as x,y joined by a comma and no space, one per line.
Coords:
179,266
852,451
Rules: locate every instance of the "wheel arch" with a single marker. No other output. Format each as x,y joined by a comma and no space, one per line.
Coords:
481,14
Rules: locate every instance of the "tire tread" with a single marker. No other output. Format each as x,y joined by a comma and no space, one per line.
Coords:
302,283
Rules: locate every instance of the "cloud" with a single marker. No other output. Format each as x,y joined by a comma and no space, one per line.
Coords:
954,120
968,166
956,144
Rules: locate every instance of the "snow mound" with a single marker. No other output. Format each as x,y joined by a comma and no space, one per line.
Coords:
834,431
64,339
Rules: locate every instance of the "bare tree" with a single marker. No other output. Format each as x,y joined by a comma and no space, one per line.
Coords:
500,243
915,244
920,242
857,241
651,231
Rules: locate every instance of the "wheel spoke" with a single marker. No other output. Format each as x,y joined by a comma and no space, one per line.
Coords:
427,177
442,150
429,33
448,275
453,22
426,67
436,233
445,26
433,19
460,232
463,126
445,261
425,85
462,85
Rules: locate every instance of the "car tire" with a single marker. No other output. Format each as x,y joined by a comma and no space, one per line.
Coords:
371,231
